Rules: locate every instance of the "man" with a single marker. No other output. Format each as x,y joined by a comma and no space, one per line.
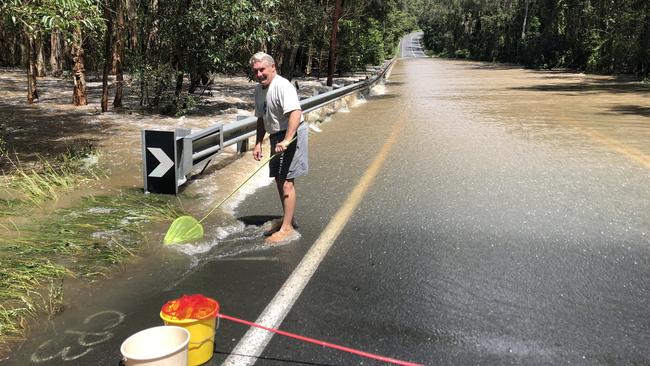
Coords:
278,112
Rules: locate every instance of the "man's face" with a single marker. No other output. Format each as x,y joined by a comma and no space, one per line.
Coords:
264,72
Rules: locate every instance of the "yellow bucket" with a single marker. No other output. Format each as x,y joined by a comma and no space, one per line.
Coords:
201,344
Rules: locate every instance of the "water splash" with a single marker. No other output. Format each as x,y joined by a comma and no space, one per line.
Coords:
261,179
379,89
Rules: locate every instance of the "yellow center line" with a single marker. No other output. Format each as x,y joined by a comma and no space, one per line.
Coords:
255,340
617,146
343,215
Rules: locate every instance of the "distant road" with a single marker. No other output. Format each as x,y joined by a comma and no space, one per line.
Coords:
411,46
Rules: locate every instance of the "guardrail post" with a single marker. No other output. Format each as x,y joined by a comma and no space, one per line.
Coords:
187,155
242,146
181,152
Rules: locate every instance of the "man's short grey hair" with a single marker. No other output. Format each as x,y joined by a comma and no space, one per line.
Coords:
260,57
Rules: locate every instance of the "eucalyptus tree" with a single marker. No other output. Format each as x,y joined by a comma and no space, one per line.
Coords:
26,17
117,55
331,61
108,50
72,18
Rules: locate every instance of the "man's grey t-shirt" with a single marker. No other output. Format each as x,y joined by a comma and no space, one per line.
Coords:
274,102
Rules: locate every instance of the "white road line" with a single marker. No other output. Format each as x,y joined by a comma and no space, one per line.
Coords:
250,347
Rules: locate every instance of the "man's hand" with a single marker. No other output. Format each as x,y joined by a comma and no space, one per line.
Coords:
282,145
257,152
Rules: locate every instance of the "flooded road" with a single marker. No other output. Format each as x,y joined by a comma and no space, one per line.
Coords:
508,224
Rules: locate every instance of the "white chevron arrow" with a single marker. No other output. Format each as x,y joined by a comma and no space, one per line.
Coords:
165,162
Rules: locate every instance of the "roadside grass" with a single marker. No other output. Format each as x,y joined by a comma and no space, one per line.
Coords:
84,241
30,186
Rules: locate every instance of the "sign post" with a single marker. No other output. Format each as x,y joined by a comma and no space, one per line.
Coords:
159,161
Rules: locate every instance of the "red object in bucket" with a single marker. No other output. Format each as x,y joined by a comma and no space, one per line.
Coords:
195,307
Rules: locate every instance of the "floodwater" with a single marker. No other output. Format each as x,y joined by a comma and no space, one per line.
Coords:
577,116
521,214
548,106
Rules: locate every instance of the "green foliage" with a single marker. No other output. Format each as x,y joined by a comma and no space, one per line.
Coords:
200,38
183,103
591,35
40,16
371,37
155,82
157,89
361,44
171,41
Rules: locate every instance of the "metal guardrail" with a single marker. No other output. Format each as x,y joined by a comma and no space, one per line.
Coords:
190,151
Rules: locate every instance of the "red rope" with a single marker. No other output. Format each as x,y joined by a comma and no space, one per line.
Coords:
320,343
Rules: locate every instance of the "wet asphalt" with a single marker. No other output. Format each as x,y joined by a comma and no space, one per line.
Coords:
490,236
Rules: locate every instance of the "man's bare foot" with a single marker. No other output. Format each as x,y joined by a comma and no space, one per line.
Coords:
282,237
270,227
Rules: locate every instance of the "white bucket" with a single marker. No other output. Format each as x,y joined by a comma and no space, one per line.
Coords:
157,346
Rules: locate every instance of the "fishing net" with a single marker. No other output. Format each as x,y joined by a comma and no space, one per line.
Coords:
195,307
184,229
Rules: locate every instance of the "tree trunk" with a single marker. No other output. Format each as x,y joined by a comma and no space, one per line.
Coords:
10,47
179,50
118,53
195,79
78,70
310,51
6,47
67,62
179,76
32,93
152,35
24,53
108,18
523,27
279,59
331,64
291,62
40,59
132,11
55,53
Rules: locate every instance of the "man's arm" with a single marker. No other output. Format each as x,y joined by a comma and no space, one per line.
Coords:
292,127
259,137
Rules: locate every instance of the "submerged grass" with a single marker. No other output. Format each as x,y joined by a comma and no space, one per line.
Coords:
30,186
83,241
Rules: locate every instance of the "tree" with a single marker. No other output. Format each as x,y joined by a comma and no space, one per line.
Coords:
118,53
331,63
79,69
55,53
70,17
593,35
108,50
26,16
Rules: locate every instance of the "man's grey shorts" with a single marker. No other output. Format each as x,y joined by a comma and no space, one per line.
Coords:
293,162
